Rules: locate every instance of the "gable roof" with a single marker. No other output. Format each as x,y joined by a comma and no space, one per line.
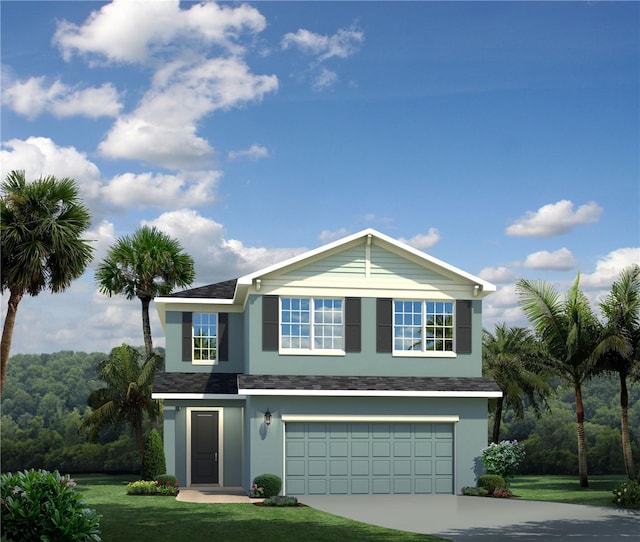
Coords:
235,291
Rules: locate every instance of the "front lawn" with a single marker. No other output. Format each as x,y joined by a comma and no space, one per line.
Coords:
567,489
163,519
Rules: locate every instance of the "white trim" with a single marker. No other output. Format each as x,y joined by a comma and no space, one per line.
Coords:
370,393
356,418
231,397
220,412
194,300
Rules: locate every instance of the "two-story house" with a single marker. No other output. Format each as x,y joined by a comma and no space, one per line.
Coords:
354,368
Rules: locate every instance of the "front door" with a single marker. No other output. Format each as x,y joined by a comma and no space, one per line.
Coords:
204,447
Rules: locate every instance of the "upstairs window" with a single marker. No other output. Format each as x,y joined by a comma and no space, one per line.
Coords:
308,323
423,326
205,337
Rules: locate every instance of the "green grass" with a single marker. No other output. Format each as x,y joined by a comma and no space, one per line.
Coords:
567,489
128,518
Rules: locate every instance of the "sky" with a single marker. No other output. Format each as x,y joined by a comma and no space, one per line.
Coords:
500,137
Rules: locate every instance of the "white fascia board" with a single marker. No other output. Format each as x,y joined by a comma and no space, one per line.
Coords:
216,396
368,418
193,300
370,393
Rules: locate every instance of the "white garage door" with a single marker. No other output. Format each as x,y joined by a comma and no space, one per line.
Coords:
368,458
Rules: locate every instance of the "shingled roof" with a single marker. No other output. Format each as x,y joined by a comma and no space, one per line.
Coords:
219,290
366,383
198,383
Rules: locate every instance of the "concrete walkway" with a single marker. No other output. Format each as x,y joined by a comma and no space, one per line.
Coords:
204,494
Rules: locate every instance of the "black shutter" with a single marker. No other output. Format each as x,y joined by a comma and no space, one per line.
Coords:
270,322
463,327
223,336
352,318
187,341
384,327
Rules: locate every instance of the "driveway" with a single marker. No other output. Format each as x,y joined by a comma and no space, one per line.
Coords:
478,519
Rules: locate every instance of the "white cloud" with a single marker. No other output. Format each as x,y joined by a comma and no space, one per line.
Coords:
255,152
344,43
326,236
325,79
31,98
554,219
559,260
125,31
608,268
39,156
422,241
162,130
187,189
216,258
497,275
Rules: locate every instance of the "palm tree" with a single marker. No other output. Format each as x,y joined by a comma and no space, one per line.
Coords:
144,265
571,334
621,309
512,358
41,224
127,397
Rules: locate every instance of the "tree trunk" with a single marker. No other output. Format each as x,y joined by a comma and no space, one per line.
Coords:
582,447
146,327
497,420
139,434
7,334
624,421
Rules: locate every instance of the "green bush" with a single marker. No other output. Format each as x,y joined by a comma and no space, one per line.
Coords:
42,505
164,478
474,491
491,482
503,458
627,494
153,461
282,500
270,484
151,487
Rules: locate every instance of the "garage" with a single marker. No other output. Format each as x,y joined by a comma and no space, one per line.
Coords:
368,458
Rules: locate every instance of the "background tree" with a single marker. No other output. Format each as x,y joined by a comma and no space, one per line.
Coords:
512,358
41,224
127,397
621,308
144,265
570,333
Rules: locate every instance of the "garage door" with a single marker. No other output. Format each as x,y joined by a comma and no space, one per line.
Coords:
368,458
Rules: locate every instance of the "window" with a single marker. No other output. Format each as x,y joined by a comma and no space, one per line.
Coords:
423,326
311,323
205,337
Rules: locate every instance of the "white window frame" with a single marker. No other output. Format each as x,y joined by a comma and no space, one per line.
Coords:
312,350
422,352
195,361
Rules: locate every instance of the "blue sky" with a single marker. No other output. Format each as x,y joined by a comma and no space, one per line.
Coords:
501,137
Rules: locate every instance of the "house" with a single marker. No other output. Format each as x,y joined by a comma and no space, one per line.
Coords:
354,368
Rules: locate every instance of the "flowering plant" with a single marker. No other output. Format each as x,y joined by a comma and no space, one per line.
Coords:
503,458
256,492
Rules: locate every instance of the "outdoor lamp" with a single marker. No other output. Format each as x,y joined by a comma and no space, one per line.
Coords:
267,417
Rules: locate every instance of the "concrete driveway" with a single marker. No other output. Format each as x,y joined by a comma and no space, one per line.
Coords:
479,519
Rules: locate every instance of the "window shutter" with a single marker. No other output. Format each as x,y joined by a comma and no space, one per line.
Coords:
463,327
223,336
352,317
384,327
187,344
270,323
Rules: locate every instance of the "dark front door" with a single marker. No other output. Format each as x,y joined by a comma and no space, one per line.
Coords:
204,447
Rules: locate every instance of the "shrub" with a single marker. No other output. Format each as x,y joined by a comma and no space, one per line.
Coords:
164,478
270,484
151,487
491,482
504,458
502,492
283,500
475,491
153,461
627,494
42,505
